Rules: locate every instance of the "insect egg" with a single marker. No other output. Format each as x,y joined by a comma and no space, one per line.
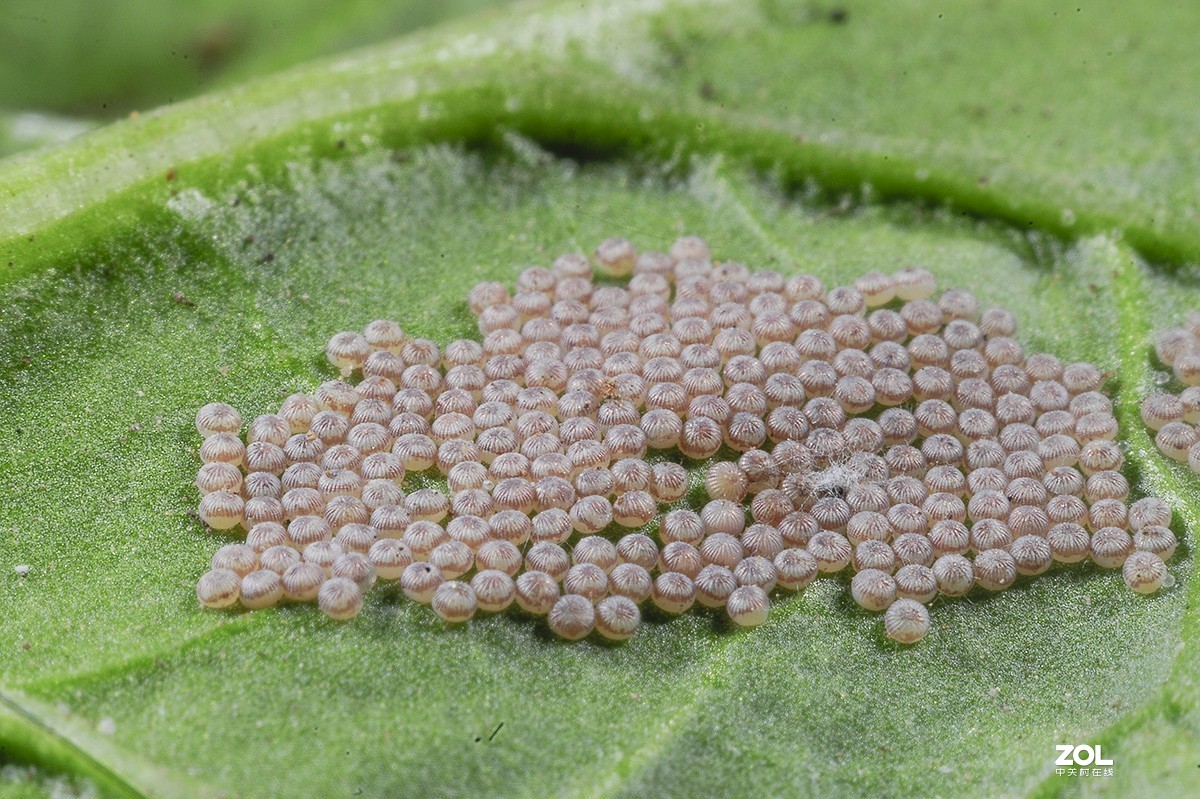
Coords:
673,592
343,510
756,570
301,475
669,482
1144,572
572,616
989,534
795,569
681,557
1149,511
262,509
1069,542
995,569
330,427
549,558
916,581
218,476
1190,397
419,581
340,598
262,484
1064,480
637,548
298,410
223,448
955,575
1107,485
631,580
553,525
304,448
586,579
390,557
382,334
1108,513
906,621
265,535
723,516
1154,538
383,466
219,588
222,510
238,558
1103,455
831,550
614,257
1031,554
617,618
494,590
1174,342
261,589
501,555
218,417
725,480
873,589
347,352
748,606
591,514
278,558
872,554
454,602
302,581
454,558
323,554
914,283
1110,546
763,540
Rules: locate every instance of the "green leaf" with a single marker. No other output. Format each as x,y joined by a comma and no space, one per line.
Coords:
207,251
114,56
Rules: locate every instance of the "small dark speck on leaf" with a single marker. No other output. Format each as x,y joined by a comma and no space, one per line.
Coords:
341,144
839,16
984,180
267,258
26,360
707,91
180,298
248,240
171,175
25,645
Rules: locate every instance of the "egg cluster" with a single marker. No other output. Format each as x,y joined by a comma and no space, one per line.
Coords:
1174,417
879,426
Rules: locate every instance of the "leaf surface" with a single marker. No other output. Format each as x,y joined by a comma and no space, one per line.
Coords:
209,250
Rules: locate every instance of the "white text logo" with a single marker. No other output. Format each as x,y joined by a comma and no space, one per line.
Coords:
1081,761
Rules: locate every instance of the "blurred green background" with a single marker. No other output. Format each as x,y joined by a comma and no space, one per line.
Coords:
68,65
